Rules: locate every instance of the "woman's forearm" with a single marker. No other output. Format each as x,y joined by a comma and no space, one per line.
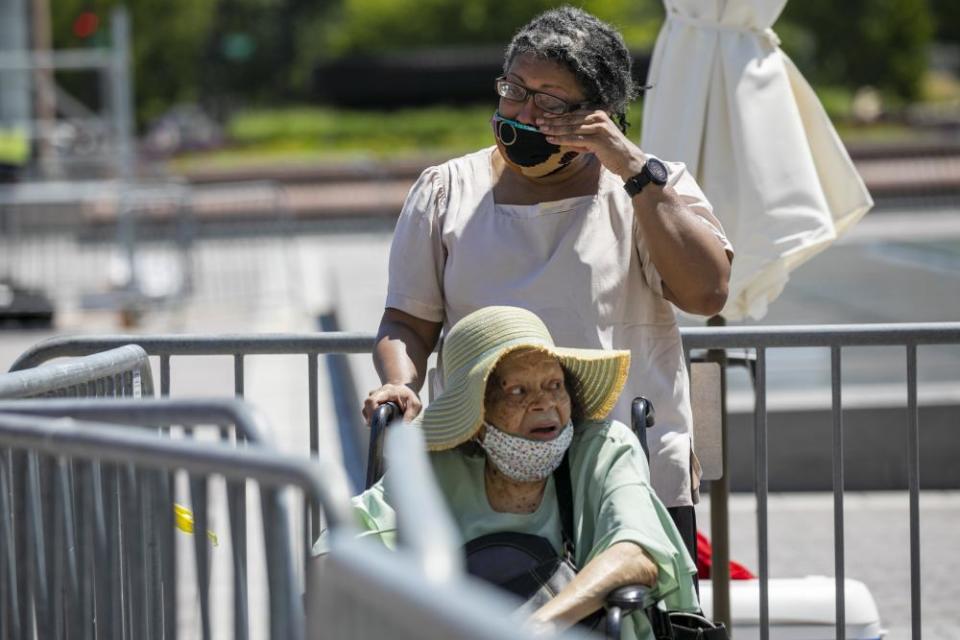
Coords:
622,564
692,262
403,345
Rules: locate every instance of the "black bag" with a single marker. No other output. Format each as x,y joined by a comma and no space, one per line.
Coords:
676,625
521,563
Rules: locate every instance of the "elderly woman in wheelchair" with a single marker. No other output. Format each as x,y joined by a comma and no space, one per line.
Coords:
537,482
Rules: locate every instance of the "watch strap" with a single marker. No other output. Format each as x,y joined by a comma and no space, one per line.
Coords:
635,184
657,175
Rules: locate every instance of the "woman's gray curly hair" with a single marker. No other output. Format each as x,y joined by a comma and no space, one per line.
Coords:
590,48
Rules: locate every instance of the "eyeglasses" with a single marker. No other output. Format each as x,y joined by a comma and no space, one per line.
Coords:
518,93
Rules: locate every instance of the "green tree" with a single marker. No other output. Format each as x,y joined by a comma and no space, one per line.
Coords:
255,49
379,26
858,42
168,37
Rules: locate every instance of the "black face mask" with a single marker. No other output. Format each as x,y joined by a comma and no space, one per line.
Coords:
527,149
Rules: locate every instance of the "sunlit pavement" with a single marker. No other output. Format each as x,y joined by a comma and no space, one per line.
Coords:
877,548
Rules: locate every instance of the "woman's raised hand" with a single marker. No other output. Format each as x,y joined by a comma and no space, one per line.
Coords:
592,131
400,394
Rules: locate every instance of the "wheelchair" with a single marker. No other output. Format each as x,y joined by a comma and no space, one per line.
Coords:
619,602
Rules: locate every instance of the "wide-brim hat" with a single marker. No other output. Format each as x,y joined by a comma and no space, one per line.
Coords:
471,351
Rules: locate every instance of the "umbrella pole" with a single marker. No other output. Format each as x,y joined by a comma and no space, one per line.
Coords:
719,494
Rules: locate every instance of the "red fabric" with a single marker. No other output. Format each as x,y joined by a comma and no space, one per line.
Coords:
705,561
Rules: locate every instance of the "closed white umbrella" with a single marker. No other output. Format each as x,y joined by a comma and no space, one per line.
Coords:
731,105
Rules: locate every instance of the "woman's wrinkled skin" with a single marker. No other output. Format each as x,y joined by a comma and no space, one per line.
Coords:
526,395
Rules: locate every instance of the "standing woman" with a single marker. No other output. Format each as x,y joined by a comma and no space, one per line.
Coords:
566,217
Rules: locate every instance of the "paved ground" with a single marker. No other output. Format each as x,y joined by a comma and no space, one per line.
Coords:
890,269
877,549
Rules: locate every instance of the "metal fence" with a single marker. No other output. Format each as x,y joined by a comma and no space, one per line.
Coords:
119,372
52,491
836,338
147,243
239,346
99,559
756,339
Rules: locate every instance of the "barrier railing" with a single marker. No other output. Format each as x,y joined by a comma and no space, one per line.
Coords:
836,338
123,371
235,420
99,568
311,346
46,491
757,339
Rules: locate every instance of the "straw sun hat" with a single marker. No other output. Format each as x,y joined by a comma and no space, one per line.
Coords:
475,345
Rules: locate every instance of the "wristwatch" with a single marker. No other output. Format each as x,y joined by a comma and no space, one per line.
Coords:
653,171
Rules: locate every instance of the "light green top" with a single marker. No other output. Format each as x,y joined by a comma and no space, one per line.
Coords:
613,502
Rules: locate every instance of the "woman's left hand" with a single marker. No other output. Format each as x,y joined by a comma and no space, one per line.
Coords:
592,131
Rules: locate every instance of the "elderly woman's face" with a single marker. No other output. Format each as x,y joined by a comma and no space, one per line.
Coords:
543,76
526,396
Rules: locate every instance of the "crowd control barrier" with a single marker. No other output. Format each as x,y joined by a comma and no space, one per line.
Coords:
757,340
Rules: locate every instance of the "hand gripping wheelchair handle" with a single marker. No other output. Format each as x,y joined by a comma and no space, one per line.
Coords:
381,418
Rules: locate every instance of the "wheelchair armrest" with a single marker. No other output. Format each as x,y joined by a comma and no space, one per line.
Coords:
625,600
631,598
381,418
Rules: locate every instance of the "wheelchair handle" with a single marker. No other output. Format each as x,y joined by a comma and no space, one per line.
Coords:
381,418
642,417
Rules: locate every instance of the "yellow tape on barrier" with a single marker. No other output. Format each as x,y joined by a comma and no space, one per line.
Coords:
183,517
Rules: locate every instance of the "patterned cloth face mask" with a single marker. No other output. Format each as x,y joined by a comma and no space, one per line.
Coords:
523,459
527,149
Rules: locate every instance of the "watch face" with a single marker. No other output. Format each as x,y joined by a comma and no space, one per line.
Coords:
657,171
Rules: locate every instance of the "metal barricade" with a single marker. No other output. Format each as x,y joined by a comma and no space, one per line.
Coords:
98,560
119,372
836,338
238,346
236,421
757,339
137,245
125,374
103,243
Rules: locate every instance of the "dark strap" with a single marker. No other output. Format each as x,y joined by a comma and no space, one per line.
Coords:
561,481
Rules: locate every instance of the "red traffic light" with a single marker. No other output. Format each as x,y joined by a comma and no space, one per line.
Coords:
85,24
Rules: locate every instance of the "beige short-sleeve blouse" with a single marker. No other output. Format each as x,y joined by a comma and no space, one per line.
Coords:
580,264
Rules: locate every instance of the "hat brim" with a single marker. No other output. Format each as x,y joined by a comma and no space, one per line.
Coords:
456,415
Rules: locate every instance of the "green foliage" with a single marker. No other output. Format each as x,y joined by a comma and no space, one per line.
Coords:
860,42
228,53
310,133
278,42
380,26
376,132
168,37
